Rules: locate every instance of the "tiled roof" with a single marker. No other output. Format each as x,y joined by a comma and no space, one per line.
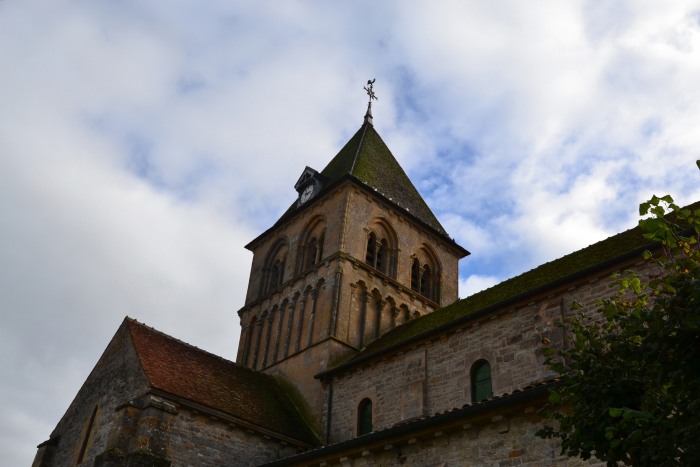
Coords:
198,376
616,248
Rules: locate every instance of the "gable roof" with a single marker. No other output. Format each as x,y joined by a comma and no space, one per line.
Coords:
190,373
623,246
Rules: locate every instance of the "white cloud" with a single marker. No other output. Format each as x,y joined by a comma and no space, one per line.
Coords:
476,283
142,145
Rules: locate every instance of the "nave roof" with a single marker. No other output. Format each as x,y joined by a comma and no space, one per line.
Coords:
190,373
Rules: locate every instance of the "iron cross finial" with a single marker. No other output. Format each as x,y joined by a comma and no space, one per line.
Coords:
370,90
372,97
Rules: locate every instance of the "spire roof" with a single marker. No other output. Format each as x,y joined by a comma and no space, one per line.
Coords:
368,159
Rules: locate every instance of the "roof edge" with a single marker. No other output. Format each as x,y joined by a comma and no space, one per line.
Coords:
338,182
483,312
518,396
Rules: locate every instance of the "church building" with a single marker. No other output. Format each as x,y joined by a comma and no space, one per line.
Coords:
355,349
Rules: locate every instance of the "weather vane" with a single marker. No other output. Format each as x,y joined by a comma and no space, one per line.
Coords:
372,97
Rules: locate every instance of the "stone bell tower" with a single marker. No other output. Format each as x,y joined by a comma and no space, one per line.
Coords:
357,254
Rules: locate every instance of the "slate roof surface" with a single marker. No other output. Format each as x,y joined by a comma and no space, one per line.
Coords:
193,374
629,242
367,159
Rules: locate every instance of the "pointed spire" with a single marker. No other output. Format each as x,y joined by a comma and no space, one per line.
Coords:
370,92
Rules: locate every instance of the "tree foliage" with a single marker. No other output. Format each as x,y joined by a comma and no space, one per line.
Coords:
630,375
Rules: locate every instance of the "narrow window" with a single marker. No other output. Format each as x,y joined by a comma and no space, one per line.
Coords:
274,276
311,251
425,282
415,275
382,254
321,240
481,381
86,438
364,417
371,255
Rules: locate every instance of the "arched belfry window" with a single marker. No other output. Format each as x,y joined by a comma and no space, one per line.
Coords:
481,381
381,248
371,255
415,275
364,417
273,268
425,274
311,253
311,245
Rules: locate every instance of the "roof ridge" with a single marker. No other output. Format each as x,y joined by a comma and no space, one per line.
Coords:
615,248
359,146
186,344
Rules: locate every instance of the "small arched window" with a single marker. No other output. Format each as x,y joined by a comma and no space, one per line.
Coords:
415,275
310,246
273,268
276,275
425,275
311,251
481,381
371,249
364,417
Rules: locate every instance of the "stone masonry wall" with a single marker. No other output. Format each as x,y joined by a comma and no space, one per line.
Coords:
115,379
339,297
500,442
199,439
434,375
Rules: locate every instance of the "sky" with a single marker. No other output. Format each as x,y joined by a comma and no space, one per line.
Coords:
143,144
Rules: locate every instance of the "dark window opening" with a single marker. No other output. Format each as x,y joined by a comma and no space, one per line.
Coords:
311,251
364,417
481,381
415,275
371,249
426,281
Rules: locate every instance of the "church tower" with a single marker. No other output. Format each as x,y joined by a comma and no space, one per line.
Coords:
357,254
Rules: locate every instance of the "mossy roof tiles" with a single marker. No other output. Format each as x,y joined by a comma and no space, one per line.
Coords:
616,248
198,376
367,159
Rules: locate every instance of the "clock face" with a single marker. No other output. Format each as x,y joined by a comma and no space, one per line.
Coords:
308,191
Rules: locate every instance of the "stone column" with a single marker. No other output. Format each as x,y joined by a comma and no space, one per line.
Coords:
259,325
379,304
300,324
312,316
268,324
333,325
281,314
290,324
364,297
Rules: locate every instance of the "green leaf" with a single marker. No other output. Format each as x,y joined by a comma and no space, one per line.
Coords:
554,397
